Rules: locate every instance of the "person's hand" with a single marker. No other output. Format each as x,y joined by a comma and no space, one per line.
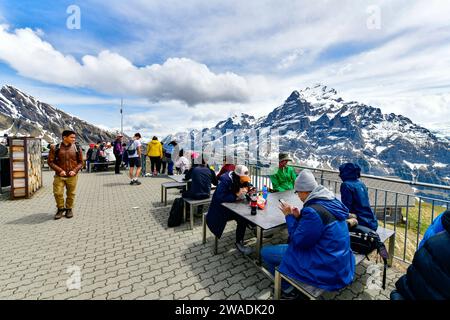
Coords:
296,212
63,174
242,192
72,173
286,208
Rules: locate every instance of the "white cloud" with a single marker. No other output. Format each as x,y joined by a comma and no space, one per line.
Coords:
176,79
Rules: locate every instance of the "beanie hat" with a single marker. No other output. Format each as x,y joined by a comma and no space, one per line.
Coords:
241,170
305,181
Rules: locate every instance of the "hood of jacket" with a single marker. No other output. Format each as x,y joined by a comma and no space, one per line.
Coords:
446,220
327,199
349,171
155,142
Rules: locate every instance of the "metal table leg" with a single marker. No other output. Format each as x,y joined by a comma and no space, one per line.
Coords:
259,239
165,194
191,208
391,249
204,228
162,191
184,211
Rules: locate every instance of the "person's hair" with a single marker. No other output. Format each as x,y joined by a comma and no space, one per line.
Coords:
124,144
155,138
236,182
174,143
137,134
181,153
67,133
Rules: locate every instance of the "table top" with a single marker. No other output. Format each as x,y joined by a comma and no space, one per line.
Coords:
178,177
271,216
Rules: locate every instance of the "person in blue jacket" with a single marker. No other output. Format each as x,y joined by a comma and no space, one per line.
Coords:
232,187
428,277
355,197
318,252
433,229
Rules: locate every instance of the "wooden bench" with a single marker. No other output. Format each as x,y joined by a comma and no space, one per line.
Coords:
193,204
170,185
314,293
91,164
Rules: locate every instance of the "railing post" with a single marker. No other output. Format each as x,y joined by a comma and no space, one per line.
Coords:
418,222
406,227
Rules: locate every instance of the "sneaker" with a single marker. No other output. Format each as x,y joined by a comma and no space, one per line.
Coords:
132,182
59,214
69,213
137,182
243,249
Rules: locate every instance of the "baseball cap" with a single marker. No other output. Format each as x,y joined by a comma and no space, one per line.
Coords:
241,170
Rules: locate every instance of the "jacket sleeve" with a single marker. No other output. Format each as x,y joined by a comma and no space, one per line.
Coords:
224,193
79,161
275,182
51,160
346,196
308,230
160,150
188,175
213,178
148,149
293,176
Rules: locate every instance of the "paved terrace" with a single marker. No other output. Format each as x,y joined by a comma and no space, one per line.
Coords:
120,241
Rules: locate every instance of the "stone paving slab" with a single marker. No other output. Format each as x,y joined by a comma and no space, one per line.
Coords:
119,242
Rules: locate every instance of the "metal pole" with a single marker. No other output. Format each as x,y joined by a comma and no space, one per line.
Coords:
121,116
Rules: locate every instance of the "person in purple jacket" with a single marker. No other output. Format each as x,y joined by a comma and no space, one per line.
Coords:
118,152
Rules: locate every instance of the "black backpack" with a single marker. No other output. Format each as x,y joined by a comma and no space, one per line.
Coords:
364,240
176,213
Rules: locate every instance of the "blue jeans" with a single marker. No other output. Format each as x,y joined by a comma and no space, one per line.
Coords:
170,167
143,164
272,256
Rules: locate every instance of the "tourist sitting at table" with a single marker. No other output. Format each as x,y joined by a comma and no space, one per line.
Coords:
319,251
182,163
285,176
202,177
233,186
355,196
428,277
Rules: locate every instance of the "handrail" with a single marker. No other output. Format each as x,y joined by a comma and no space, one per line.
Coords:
411,183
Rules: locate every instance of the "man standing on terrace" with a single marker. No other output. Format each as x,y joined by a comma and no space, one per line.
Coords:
285,176
66,159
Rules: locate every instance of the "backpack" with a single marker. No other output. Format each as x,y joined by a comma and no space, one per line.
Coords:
364,240
131,149
77,150
176,213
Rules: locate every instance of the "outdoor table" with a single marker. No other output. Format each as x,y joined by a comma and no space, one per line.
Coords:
178,177
268,218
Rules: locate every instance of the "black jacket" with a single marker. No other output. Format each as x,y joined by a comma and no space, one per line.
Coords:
202,178
428,277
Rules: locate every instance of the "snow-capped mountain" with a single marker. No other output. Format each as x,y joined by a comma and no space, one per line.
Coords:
319,128
23,115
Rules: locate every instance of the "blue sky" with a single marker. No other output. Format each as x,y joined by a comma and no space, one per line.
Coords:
185,64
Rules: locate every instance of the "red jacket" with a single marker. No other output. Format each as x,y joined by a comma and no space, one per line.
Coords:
226,168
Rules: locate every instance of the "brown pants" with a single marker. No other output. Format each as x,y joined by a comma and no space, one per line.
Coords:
70,183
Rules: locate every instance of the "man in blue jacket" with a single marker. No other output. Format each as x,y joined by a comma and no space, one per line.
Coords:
232,187
355,197
319,251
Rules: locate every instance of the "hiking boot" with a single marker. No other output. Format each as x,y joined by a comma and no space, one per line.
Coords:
243,249
59,214
132,182
69,213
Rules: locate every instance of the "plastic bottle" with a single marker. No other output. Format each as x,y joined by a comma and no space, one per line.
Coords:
265,193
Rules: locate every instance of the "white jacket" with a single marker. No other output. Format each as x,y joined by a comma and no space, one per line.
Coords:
183,164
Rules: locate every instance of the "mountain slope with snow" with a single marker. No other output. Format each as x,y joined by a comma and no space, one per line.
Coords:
319,128
23,115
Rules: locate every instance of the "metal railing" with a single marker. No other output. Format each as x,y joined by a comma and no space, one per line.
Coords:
416,211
